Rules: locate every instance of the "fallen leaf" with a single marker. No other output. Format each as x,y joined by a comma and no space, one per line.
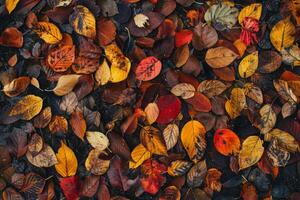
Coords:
67,161
61,58
65,84
152,112
226,142
49,32
171,134
95,164
179,167
28,107
268,118
248,65
197,174
58,124
11,5
252,11
285,140
220,57
139,154
97,140
251,152
83,21
148,69
45,158
78,124
169,108
211,88
16,86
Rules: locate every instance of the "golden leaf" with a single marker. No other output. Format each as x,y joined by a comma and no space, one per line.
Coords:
67,161
152,112
251,152
28,107
171,134
211,88
65,84
83,22
49,32
17,86
220,57
248,65
11,5
284,139
139,154
236,104
152,140
253,10
253,92
97,140
285,91
190,135
283,34
179,167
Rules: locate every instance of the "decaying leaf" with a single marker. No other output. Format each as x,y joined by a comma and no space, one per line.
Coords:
237,102
171,134
268,118
96,165
28,107
284,140
184,90
248,65
179,168
97,139
152,112
45,158
49,32
220,57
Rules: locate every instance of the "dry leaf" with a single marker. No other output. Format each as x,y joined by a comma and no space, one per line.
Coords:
171,134
58,124
141,20
28,107
16,86
78,124
65,84
196,174
211,88
45,158
43,119
179,167
61,58
282,34
83,22
102,74
49,32
96,165
153,141
184,90
97,140
11,5
152,112
236,104
139,154
251,152
268,118
192,134
253,10
220,57
69,102
248,65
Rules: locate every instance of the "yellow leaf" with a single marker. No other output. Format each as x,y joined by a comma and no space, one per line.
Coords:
83,22
28,107
153,141
253,10
179,167
248,65
65,84
67,161
251,152
102,75
236,104
45,158
16,86
284,139
97,140
191,133
282,34
241,46
49,32
11,5
152,112
120,65
139,154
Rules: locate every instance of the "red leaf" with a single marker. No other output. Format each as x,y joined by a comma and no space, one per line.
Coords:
106,31
70,186
200,102
183,37
148,69
169,108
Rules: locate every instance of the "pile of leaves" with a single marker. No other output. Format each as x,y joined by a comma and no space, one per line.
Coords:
149,99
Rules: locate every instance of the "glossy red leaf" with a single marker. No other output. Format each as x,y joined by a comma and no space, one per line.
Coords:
70,187
226,142
183,37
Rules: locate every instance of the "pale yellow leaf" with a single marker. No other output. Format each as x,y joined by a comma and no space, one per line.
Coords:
285,140
65,84
152,112
171,134
184,90
97,140
268,118
45,158
102,74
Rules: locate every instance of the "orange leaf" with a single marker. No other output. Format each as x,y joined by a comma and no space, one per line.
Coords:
61,58
226,142
106,31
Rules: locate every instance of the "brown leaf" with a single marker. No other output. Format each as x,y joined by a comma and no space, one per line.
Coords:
58,124
35,144
61,58
78,124
11,37
106,31
16,86
33,185
17,142
205,36
89,186
43,119
220,57
200,102
119,146
85,65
